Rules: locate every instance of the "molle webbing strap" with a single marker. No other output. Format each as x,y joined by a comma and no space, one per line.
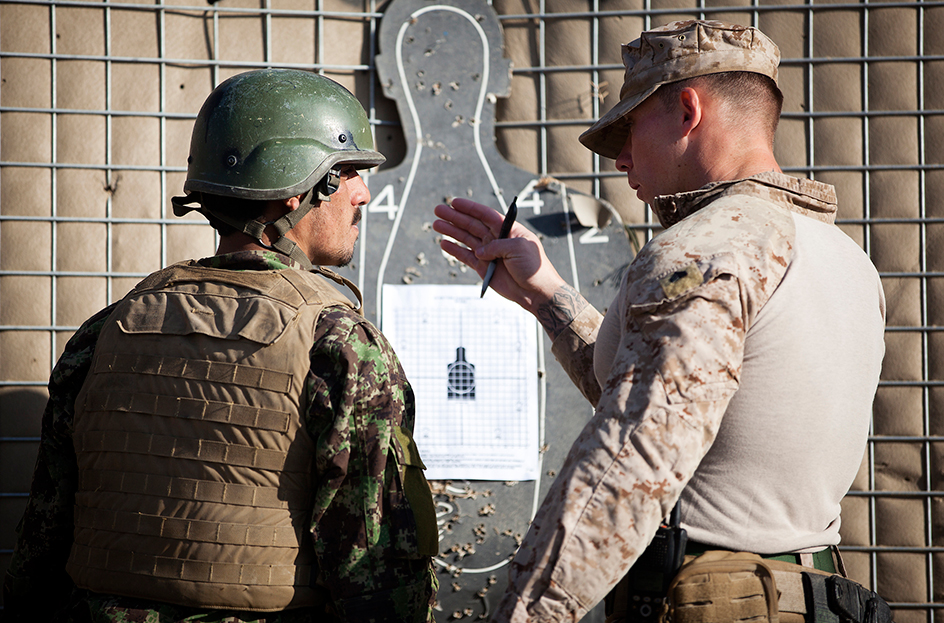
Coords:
187,529
717,586
189,408
296,287
724,586
189,489
199,370
190,272
194,449
195,465
191,570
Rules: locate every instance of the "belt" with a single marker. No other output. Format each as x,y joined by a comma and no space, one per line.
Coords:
822,560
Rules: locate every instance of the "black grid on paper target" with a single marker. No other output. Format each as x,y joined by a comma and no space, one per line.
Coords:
460,378
469,381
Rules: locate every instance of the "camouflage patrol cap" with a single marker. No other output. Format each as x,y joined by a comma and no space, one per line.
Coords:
673,52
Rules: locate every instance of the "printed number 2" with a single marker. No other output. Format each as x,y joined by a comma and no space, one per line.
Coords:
593,236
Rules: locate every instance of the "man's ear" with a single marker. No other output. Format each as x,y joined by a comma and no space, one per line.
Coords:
690,106
292,203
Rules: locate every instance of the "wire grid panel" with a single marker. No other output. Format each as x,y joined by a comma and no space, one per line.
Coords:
97,101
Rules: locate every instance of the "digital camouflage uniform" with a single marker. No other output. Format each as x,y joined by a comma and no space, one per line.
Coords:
356,392
683,343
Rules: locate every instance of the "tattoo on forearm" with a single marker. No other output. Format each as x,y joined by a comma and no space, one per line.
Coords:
560,310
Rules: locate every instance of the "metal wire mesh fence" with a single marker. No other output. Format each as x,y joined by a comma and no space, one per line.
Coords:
97,100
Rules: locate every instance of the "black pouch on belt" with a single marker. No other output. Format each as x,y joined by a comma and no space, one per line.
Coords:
639,596
835,599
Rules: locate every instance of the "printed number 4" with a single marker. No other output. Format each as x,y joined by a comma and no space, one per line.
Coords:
530,198
384,202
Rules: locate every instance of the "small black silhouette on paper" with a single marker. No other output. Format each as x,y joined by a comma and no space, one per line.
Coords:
461,378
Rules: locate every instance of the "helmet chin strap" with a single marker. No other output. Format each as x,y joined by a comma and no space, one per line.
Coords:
322,191
282,225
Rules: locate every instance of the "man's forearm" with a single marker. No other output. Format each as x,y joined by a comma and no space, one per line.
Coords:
560,310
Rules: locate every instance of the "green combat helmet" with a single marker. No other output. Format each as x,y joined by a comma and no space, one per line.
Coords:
273,134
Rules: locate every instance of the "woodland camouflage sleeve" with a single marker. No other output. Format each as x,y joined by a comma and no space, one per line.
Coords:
363,528
36,582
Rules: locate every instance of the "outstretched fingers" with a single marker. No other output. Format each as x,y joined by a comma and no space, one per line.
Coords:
459,240
466,223
464,255
471,231
481,221
459,234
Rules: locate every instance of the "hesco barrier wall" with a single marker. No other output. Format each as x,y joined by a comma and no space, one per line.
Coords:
97,100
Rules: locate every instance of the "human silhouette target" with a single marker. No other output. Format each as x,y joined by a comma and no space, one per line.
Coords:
460,383
443,65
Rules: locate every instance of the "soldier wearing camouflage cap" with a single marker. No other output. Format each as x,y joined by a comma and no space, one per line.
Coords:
232,440
733,374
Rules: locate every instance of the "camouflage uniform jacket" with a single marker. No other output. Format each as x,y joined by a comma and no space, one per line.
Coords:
676,359
364,535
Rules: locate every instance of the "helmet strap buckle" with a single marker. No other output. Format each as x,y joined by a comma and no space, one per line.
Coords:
328,185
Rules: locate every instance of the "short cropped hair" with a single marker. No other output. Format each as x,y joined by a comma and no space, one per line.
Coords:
751,96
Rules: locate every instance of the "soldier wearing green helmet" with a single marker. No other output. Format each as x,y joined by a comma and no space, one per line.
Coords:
270,135
232,440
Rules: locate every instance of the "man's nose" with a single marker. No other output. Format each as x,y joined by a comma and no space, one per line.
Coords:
360,195
624,162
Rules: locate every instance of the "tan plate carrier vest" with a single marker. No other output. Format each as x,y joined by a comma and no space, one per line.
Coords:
194,465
